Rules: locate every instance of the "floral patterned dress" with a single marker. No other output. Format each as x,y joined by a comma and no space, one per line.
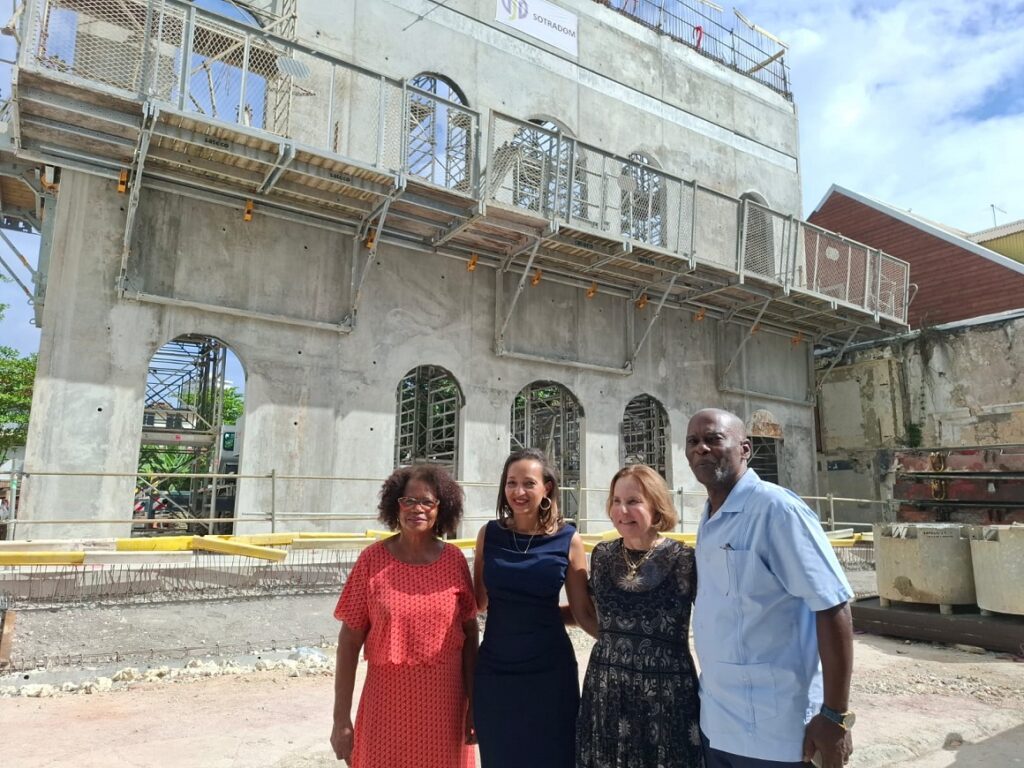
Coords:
639,707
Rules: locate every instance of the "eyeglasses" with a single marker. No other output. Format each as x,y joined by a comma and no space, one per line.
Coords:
408,502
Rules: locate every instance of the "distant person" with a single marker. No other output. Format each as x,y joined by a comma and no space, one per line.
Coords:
526,692
409,598
5,516
639,706
771,625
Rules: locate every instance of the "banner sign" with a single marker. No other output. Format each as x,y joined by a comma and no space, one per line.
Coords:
542,20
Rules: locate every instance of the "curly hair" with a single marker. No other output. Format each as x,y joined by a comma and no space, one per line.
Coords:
449,496
544,516
655,491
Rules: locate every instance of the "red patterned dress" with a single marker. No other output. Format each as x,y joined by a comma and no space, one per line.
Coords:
413,705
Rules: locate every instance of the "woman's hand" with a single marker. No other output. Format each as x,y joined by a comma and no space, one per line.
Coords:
470,727
341,740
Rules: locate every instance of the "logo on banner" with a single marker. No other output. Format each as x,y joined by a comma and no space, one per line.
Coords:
516,9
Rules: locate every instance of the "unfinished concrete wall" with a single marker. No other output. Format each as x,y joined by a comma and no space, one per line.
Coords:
959,385
321,403
630,89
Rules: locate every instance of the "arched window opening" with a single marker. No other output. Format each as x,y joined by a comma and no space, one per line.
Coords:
643,201
231,9
645,434
545,179
547,416
758,237
439,133
765,442
191,425
428,404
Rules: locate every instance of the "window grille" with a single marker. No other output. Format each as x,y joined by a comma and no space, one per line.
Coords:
427,423
759,235
764,458
645,434
643,201
547,416
543,179
439,134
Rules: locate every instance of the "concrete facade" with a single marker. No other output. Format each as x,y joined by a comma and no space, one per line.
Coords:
321,403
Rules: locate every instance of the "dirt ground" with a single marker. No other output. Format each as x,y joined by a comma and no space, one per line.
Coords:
223,697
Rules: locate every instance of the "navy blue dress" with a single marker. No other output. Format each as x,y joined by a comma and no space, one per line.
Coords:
526,691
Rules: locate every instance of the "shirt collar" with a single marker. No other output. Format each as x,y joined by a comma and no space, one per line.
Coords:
737,498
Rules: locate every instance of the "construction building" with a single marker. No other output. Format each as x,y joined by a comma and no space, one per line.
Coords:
428,231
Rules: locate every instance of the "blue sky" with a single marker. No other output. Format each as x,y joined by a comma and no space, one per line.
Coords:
919,103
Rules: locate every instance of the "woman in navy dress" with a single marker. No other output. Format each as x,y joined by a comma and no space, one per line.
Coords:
526,691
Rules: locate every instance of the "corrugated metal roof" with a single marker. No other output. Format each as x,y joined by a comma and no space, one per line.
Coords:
994,233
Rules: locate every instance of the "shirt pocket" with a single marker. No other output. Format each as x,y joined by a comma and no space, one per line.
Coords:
747,575
745,691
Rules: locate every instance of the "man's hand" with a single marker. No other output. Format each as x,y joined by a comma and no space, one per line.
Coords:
341,741
830,739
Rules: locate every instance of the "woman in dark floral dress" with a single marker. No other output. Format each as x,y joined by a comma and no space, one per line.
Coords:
639,707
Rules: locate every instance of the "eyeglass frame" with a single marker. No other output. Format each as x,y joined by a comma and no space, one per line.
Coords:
411,502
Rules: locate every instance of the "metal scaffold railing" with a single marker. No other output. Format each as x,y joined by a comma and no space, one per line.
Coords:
704,26
162,93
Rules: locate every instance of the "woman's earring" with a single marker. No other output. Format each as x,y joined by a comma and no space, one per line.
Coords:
548,507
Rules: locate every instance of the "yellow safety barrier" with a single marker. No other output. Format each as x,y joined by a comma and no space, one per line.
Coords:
328,535
42,558
332,543
379,534
265,539
685,538
231,548
155,544
463,543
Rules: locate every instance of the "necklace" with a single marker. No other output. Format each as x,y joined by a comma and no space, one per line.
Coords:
515,540
632,567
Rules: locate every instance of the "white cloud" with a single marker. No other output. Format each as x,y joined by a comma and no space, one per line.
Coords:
901,101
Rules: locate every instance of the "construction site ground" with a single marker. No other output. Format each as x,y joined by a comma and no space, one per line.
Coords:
248,682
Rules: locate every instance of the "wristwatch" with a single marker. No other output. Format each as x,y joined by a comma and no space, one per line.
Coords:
844,720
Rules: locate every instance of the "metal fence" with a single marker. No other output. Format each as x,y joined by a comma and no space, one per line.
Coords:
705,27
276,514
188,61
193,63
540,170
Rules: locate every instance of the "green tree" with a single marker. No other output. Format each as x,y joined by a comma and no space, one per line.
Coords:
17,375
234,405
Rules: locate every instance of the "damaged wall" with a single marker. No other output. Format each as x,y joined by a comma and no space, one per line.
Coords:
958,385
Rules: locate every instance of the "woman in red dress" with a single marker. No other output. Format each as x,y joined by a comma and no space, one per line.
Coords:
409,600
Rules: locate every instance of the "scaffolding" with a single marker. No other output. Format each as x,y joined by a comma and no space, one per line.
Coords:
429,402
547,416
182,419
160,95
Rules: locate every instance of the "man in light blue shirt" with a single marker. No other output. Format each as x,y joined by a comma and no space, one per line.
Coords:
771,623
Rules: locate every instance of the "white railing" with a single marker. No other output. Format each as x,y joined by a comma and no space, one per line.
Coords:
538,170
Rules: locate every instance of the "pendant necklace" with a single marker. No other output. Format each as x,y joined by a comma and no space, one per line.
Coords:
632,567
515,540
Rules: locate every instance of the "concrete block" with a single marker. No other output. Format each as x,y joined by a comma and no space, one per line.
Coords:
997,552
924,563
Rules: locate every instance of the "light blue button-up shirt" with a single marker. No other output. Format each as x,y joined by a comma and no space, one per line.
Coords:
764,567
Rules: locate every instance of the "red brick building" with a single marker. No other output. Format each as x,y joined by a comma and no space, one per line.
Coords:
955,277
